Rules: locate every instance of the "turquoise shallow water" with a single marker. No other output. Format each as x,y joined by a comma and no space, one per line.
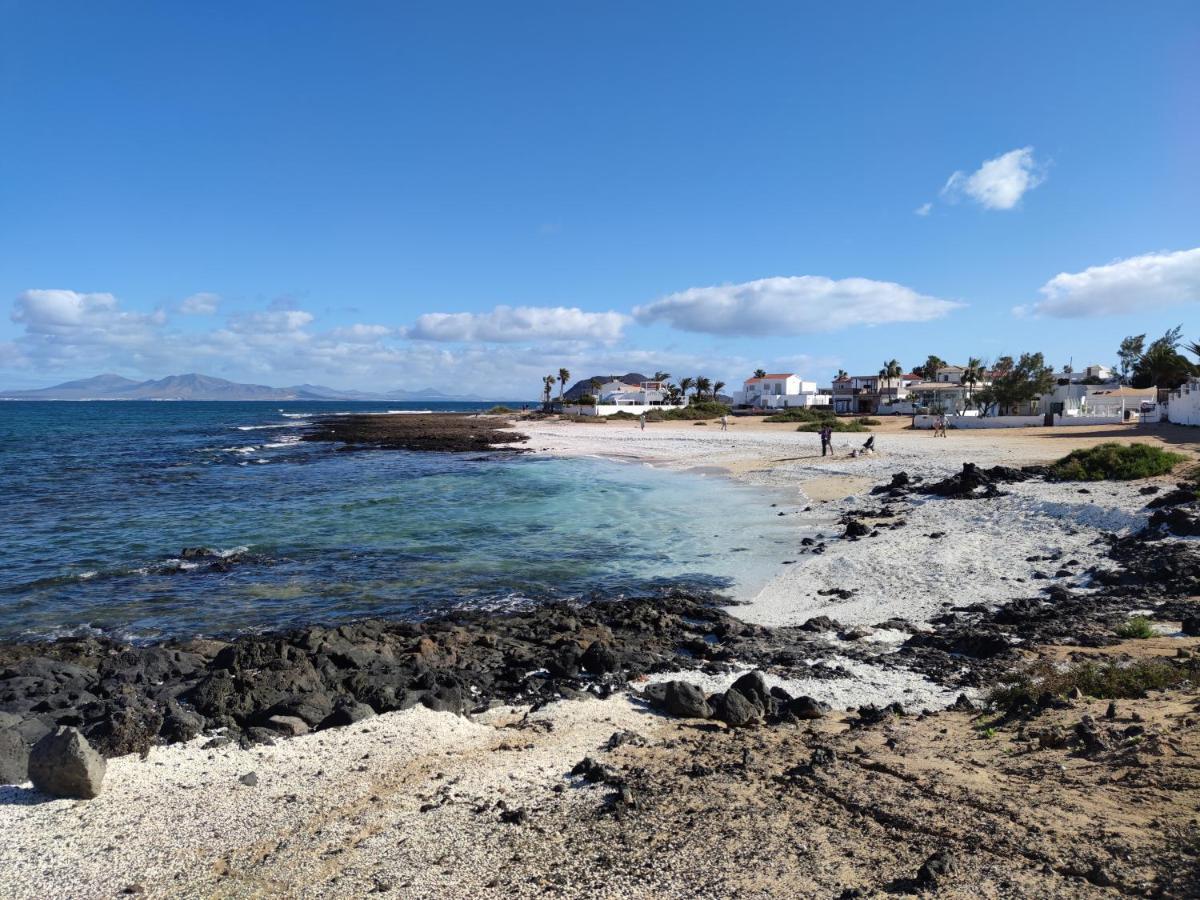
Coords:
97,501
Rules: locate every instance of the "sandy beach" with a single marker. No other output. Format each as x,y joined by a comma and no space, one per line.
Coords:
418,803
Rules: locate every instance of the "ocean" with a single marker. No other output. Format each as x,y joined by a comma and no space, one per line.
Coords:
98,501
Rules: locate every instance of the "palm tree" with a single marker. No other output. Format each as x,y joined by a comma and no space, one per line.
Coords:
717,388
842,373
563,377
703,386
673,394
685,385
547,387
596,385
760,373
661,376
972,375
891,371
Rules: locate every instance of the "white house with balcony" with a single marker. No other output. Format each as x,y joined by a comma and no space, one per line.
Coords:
781,391
647,393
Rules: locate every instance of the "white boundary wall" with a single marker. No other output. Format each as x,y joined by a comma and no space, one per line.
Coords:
982,421
1027,421
607,409
1183,405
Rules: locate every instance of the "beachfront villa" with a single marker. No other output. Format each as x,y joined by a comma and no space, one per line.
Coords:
869,394
1096,393
645,393
945,392
780,391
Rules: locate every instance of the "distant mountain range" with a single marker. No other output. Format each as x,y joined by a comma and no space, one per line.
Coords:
205,387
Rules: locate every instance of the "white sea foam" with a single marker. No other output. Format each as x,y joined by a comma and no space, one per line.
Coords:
260,427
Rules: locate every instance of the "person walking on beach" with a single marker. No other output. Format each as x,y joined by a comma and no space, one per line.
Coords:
642,421
826,439
939,426
724,423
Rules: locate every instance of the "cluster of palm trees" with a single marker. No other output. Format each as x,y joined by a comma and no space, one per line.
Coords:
691,390
563,377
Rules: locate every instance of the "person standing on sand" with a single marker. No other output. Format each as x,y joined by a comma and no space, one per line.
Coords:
642,421
826,439
724,423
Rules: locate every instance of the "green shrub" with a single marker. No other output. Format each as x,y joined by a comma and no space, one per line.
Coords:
1115,462
834,424
1137,627
706,409
501,410
1107,681
867,420
801,414
622,416
572,417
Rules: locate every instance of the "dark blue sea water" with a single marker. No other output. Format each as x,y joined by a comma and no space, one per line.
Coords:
98,500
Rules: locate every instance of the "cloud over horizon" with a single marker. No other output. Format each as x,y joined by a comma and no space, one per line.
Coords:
998,183
798,304
65,334
1152,280
508,324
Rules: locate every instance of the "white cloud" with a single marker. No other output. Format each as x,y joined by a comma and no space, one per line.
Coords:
361,334
506,324
799,304
999,183
202,304
82,318
924,209
1154,280
273,321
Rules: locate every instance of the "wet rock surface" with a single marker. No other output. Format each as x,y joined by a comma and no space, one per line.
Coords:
445,432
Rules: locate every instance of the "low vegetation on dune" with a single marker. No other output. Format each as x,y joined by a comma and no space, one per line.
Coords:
801,414
501,410
1106,681
834,425
1115,462
819,418
707,409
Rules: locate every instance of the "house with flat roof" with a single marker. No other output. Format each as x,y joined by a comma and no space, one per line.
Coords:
868,394
780,391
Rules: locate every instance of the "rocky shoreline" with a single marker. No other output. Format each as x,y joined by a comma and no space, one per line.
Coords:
445,432
259,688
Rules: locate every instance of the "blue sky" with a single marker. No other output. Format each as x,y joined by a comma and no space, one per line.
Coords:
397,195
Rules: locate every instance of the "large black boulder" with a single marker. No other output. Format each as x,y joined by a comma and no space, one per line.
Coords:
735,709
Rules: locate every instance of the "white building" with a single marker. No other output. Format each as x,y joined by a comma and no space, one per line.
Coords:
1094,393
1183,403
781,391
648,393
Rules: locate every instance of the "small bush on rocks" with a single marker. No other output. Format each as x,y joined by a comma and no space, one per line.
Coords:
1115,462
501,410
1137,627
1108,681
